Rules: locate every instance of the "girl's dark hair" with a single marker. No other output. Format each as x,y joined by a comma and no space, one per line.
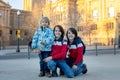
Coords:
61,30
74,31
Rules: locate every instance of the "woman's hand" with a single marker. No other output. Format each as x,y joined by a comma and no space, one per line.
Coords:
74,67
65,38
47,59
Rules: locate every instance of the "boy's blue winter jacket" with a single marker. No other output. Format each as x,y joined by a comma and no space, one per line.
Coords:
45,35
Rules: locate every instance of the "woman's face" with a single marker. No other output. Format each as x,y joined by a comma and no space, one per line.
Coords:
71,36
57,32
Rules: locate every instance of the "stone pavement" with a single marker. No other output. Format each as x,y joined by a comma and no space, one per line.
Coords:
101,67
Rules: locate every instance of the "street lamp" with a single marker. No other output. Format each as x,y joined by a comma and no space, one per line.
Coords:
0,14
0,33
118,29
18,31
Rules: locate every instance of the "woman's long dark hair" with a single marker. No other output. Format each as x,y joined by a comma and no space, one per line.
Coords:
74,31
61,30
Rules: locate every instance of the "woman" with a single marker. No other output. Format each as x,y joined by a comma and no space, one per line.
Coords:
58,54
75,54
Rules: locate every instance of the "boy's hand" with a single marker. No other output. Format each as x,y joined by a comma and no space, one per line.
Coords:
37,51
32,49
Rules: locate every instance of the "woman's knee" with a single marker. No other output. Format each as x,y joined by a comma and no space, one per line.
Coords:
51,65
70,75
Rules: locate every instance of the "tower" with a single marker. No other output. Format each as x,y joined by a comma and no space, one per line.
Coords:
28,5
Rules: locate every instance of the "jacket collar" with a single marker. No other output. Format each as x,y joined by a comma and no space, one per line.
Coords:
60,39
78,39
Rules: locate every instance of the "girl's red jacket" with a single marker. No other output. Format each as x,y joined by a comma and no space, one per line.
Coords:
76,51
59,49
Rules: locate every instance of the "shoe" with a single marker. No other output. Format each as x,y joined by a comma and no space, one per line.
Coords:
48,74
61,72
54,74
41,74
84,69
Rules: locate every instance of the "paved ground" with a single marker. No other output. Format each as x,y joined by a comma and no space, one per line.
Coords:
105,66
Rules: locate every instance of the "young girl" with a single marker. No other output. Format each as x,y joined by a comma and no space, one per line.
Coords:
75,55
42,41
58,54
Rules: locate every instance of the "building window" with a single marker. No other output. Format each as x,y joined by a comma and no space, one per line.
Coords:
111,12
110,25
16,32
25,33
94,27
10,32
80,28
53,1
95,14
0,33
61,17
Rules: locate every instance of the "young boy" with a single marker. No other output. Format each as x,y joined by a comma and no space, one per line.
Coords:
42,41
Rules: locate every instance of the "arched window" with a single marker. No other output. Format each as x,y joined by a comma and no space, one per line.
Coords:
0,33
10,32
25,33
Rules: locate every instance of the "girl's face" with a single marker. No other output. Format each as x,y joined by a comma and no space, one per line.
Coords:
57,32
71,36
44,23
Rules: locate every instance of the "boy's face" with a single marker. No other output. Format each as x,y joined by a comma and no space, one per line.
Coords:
44,23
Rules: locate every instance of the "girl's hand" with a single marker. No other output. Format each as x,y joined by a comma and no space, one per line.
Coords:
47,59
74,67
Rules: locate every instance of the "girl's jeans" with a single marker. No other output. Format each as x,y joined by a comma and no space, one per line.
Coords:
43,65
80,66
53,64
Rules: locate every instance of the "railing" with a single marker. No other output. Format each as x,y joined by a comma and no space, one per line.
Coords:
96,49
101,49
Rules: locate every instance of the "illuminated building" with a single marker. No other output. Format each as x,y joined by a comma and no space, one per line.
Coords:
96,20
